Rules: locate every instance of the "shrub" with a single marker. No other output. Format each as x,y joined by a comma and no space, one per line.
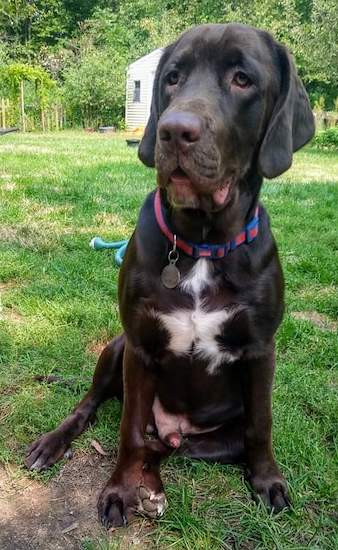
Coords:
40,93
319,104
327,138
94,89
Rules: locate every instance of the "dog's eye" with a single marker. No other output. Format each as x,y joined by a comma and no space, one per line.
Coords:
241,80
173,78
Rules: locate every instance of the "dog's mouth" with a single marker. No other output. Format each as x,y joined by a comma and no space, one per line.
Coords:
187,192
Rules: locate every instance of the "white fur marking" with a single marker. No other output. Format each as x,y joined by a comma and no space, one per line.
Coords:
188,327
157,498
198,278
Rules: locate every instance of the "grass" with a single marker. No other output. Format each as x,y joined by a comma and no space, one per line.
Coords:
58,300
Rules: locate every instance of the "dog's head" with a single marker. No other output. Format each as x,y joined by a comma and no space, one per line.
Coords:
226,101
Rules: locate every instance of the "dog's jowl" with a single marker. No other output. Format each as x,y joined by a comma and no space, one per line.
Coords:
201,287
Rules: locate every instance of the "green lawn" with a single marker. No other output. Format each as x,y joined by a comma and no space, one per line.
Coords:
58,303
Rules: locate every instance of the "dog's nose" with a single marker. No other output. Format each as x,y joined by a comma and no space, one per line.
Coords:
180,129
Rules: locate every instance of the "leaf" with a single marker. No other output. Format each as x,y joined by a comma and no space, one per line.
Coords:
70,528
97,446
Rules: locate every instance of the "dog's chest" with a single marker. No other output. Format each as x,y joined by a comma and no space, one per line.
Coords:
196,331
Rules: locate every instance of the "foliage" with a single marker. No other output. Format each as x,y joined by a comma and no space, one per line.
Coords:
40,92
12,75
64,35
3,53
139,26
327,138
26,25
319,104
94,88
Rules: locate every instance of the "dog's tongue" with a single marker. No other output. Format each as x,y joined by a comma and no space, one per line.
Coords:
183,186
221,195
178,177
184,189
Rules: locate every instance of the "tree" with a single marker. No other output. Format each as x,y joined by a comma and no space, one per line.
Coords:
66,35
94,89
27,24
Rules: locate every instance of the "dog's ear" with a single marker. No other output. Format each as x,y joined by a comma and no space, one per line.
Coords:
146,150
291,124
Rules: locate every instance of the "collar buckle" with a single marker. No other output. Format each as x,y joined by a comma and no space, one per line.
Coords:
211,251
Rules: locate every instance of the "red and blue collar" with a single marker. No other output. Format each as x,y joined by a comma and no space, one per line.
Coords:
212,251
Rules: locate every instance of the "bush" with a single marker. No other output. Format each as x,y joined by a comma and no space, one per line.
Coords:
327,138
94,89
41,93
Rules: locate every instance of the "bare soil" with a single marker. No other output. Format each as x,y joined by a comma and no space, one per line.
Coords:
318,319
60,515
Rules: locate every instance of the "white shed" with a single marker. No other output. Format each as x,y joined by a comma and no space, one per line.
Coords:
139,87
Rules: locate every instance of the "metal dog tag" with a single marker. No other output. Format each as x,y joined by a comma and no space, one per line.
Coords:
170,275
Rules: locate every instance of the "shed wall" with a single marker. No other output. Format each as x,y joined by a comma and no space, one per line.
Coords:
137,113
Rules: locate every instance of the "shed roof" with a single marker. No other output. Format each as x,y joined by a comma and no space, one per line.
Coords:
147,58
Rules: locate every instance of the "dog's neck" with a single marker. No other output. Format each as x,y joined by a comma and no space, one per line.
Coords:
215,227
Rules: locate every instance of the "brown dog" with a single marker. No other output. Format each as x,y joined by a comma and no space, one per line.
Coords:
197,353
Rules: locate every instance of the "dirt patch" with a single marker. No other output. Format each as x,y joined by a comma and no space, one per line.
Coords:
108,220
314,291
318,319
32,236
60,515
97,346
23,148
8,186
11,314
8,285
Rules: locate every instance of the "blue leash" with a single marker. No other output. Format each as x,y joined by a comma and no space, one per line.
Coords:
120,246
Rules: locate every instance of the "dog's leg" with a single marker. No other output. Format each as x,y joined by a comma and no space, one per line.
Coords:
135,485
265,478
107,383
224,445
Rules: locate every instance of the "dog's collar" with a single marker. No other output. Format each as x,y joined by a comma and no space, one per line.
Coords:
211,251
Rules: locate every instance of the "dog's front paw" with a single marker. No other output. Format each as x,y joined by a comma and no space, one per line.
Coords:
117,504
272,490
45,451
151,504
114,506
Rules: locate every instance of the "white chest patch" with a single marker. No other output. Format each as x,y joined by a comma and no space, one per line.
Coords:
194,331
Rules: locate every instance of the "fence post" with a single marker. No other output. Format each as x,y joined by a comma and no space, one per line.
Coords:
43,120
56,115
22,105
3,112
60,117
